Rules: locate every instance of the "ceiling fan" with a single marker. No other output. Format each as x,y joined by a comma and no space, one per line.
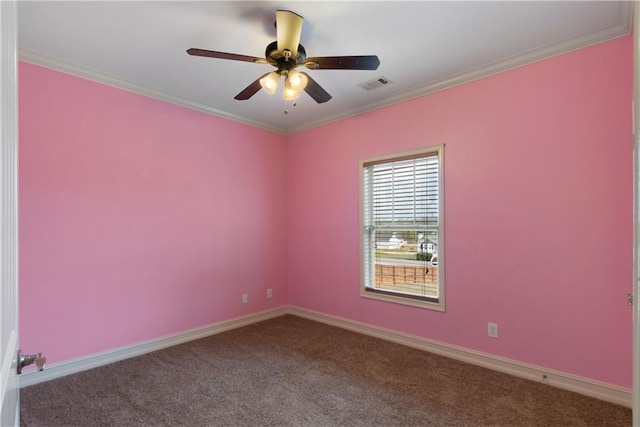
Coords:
286,54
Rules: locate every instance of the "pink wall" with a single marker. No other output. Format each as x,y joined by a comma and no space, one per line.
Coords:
538,212
139,218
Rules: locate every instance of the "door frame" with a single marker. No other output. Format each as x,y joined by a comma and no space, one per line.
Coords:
636,214
9,391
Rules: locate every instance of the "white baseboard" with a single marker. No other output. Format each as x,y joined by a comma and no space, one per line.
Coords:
57,370
599,390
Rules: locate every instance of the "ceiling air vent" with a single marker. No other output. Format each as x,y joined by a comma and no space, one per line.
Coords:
375,83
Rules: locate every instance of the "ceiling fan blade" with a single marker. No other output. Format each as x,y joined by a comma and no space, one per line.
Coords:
250,90
289,28
362,62
316,91
225,55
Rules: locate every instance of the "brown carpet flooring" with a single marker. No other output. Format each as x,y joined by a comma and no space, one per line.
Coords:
290,371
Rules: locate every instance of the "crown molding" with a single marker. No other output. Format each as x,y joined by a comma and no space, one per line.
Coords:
623,28
55,64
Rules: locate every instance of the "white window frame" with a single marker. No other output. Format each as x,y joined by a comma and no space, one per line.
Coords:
432,304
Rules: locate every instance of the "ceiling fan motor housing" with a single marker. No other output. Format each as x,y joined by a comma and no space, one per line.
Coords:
282,62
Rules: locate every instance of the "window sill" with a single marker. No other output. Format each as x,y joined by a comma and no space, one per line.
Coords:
398,299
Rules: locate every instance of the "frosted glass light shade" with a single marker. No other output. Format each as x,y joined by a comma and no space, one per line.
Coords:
297,80
289,92
270,82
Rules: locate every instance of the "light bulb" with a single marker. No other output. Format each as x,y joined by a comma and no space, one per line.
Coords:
297,80
289,92
270,82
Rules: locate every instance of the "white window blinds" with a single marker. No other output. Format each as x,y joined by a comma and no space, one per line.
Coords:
404,192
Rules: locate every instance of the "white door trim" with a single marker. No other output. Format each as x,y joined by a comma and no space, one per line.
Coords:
9,404
636,214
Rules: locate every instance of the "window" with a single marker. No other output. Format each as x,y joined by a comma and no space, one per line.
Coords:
402,228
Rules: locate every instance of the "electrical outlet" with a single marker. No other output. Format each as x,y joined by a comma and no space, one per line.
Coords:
493,330
269,293
245,298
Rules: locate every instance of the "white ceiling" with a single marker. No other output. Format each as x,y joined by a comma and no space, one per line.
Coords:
422,46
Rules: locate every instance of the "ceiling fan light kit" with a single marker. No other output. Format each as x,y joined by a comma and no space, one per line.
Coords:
294,82
286,53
